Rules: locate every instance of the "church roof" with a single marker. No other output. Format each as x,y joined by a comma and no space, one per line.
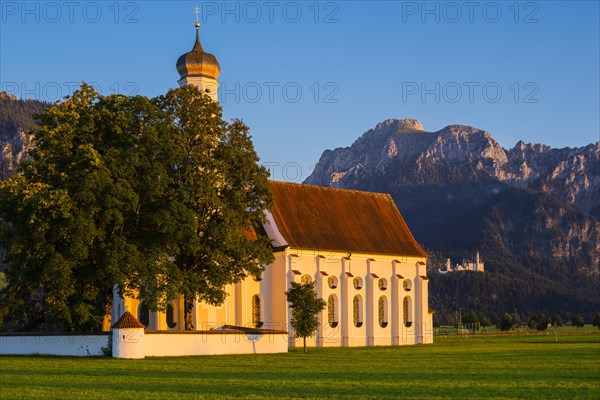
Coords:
127,321
320,218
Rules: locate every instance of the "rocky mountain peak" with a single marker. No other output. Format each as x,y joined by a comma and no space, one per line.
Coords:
399,152
453,153
400,125
391,127
16,122
463,142
7,96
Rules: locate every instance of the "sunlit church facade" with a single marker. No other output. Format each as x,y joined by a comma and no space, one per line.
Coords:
355,245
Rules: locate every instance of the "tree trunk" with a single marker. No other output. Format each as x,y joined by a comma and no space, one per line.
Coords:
188,312
304,343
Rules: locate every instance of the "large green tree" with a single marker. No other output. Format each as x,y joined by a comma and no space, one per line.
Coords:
159,196
305,306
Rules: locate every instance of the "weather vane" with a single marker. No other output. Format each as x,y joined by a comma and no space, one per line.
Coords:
197,11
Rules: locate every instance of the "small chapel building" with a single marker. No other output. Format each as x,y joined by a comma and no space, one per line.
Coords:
355,245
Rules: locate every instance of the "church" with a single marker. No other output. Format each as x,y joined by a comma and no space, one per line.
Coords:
354,245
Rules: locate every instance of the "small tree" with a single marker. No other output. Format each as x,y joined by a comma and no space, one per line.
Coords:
557,320
578,321
516,319
505,322
305,305
485,321
596,321
473,321
538,322
541,322
532,324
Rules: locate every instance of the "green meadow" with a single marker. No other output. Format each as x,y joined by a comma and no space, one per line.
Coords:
454,367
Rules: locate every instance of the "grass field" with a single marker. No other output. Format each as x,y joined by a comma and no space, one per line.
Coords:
485,367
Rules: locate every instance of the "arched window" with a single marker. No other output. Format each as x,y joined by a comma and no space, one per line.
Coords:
382,283
332,309
407,285
332,281
171,323
305,279
383,311
143,314
256,314
407,307
357,282
357,311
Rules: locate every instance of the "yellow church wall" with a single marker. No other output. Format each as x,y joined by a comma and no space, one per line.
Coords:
203,321
229,306
157,320
382,276
251,289
236,309
220,314
330,335
210,316
132,305
370,269
275,285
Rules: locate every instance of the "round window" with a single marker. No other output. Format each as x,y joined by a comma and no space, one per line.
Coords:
332,282
357,282
407,285
382,283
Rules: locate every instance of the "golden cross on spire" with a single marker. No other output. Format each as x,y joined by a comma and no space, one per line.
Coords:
197,11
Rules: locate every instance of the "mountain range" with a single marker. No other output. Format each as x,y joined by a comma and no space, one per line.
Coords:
532,212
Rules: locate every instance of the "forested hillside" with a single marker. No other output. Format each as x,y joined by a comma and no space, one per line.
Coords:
16,120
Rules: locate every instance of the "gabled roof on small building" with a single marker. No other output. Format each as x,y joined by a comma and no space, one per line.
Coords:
321,218
127,321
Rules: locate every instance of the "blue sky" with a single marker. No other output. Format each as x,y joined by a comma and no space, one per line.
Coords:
309,76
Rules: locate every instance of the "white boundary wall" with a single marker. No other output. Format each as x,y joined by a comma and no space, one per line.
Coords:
155,344
158,344
58,345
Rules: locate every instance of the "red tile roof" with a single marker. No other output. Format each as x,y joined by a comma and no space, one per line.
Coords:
127,321
320,218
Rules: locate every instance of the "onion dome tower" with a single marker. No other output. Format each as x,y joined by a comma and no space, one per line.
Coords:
199,68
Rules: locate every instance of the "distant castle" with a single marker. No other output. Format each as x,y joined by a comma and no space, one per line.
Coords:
467,265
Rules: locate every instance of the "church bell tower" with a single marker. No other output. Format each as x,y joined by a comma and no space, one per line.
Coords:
199,68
